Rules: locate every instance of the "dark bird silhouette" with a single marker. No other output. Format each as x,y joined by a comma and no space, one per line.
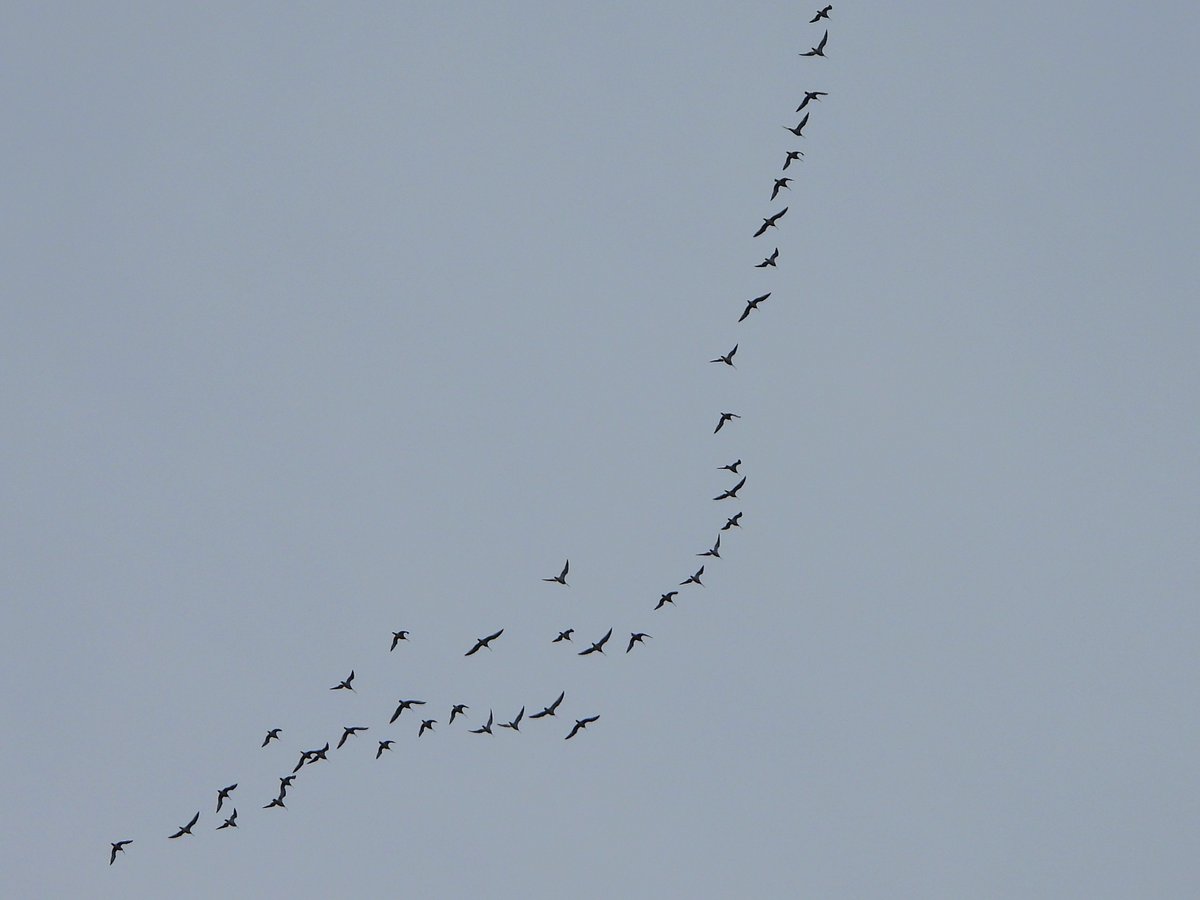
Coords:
457,710
564,635
580,724
732,467
751,305
303,760
731,523
797,131
347,732
284,783
223,795
426,725
821,14
780,184
346,685
665,599
727,358
515,724
483,642
276,802
404,704
549,710
715,551
272,735
695,579
231,822
725,417
561,577
770,260
383,745
486,729
809,96
636,637
792,156
732,492
597,647
184,829
317,755
118,847
770,221
397,637
818,50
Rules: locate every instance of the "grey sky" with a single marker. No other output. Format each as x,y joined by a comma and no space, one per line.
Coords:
323,322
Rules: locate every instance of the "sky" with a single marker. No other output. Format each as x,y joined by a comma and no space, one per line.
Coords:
321,322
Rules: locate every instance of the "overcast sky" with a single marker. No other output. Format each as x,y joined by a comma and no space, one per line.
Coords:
322,321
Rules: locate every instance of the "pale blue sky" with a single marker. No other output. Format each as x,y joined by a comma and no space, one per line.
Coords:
320,322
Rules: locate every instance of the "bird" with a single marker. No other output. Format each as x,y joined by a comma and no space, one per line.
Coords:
694,579
426,725
483,642
457,710
347,732
486,729
383,745
715,551
278,801
752,304
404,704
231,822
515,724
561,577
303,760
564,635
792,156
821,14
316,755
184,829
223,795
284,783
549,710
780,183
345,685
809,96
797,131
636,637
727,358
272,735
580,724
665,599
731,523
818,50
769,261
725,417
770,221
597,647
732,492
118,847
397,637
732,467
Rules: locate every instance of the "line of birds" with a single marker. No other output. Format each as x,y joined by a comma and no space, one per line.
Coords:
311,757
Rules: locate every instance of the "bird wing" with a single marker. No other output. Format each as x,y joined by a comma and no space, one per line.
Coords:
824,38
632,640
474,649
589,720
195,819
566,567
492,637
554,705
112,859
607,635
574,731
761,229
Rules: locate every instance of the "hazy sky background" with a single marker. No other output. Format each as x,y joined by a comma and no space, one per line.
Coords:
321,321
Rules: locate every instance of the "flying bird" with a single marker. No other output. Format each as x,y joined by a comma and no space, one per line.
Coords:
561,577
223,795
284,783
715,551
486,729
316,755
694,579
769,261
727,358
792,156
272,735
751,305
732,467
731,523
184,829
821,14
397,637
383,745
549,710
426,725
665,599
564,635
118,847
457,710
303,760
636,637
580,724
780,183
231,822
725,417
809,96
483,642
797,131
404,704
732,492
770,221
597,647
818,50
346,685
278,801
515,724
347,732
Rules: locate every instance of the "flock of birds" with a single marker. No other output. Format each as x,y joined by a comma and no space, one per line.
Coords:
457,710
